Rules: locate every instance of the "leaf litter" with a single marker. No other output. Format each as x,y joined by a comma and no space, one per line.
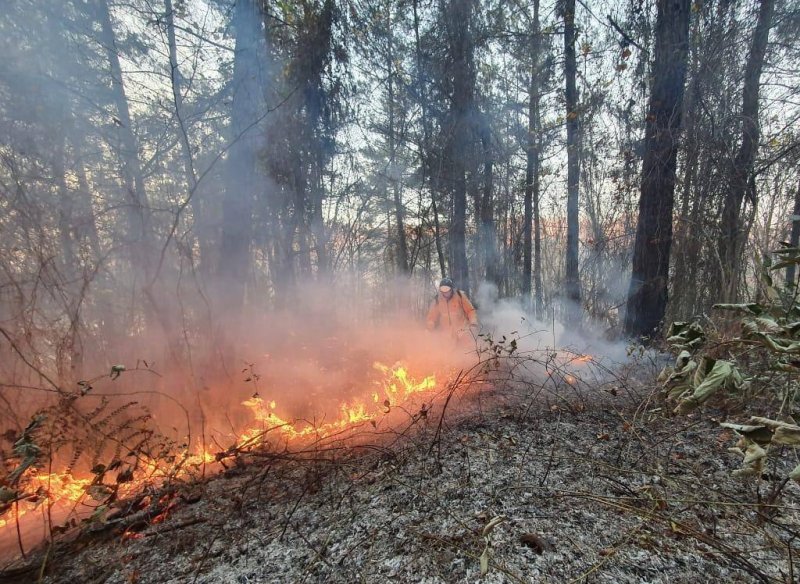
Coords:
518,492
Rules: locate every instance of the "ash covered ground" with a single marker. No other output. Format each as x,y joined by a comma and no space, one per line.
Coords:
577,484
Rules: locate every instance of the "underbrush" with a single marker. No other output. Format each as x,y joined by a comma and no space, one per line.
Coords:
747,360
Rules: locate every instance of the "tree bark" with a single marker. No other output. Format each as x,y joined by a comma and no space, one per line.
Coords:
459,27
647,297
741,171
201,231
137,207
177,98
242,182
487,236
531,204
425,145
684,236
69,352
394,181
794,238
572,282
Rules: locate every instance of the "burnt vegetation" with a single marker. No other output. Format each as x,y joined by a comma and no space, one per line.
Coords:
222,223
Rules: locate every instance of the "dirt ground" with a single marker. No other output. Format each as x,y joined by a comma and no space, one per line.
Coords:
583,483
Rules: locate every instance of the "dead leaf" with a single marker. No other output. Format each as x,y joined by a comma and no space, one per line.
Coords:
536,543
484,561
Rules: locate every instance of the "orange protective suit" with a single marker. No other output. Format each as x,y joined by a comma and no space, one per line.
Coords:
452,314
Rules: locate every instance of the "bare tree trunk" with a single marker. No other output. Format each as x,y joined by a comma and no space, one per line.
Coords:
66,230
487,236
572,281
137,208
87,233
694,243
741,173
459,24
425,145
177,97
242,182
319,231
190,173
437,235
685,234
531,212
794,238
458,245
87,222
647,298
138,213
394,181
538,289
69,352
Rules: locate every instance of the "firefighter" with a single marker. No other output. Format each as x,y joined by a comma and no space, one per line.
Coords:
452,312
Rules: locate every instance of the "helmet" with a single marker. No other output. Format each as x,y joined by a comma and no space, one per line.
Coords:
447,282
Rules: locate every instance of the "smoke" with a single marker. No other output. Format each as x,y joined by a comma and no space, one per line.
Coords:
507,317
320,352
325,350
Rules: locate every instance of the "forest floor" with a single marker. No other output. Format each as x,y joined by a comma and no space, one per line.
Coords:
592,485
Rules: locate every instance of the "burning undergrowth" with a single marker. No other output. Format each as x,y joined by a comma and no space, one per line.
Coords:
81,460
499,476
117,453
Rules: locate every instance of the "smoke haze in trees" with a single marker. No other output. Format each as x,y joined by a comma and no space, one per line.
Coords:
508,317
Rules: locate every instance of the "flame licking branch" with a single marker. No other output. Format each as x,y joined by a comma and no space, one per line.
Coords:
67,492
397,387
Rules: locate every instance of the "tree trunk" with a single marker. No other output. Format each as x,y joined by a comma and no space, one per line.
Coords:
425,145
794,239
487,236
572,282
319,231
69,352
741,172
461,48
138,214
647,298
137,207
694,244
394,181
201,231
685,235
87,222
437,230
531,212
177,98
242,182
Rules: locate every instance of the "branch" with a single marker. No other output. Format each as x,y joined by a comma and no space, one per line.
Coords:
779,156
625,36
38,371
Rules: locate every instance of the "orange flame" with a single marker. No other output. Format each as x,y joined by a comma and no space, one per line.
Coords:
67,491
398,386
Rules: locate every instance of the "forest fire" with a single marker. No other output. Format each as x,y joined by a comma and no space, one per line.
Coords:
61,496
397,387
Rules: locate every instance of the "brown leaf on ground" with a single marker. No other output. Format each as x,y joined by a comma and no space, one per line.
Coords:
535,542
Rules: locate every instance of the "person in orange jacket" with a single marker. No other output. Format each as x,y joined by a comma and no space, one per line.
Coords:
452,311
